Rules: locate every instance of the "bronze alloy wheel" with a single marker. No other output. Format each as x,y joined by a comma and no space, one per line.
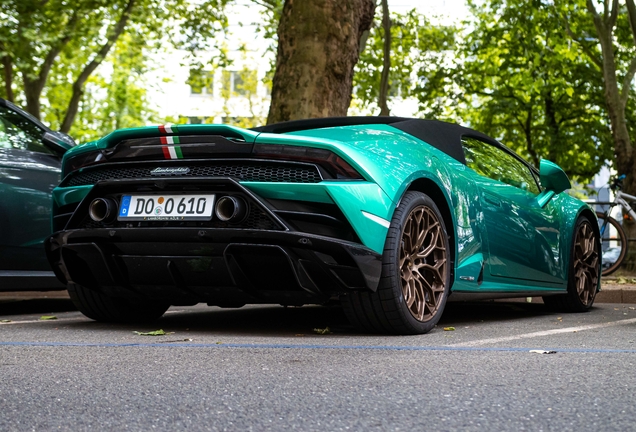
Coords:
585,265
416,273
423,259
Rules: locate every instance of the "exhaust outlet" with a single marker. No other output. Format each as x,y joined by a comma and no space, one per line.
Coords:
231,209
102,210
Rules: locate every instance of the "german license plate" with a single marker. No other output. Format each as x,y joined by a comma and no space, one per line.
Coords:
166,207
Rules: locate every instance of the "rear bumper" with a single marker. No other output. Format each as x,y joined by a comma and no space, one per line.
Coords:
225,267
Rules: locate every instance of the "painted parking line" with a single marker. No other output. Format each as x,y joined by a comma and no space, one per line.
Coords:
544,333
311,347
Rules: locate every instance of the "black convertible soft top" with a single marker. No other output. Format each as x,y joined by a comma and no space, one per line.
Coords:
441,135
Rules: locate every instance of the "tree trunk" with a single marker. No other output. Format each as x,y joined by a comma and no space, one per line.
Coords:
527,132
32,92
318,47
386,63
7,65
552,127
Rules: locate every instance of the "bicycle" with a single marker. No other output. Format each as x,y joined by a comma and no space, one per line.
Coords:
614,241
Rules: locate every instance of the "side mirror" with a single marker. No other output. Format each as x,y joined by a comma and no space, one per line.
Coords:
553,178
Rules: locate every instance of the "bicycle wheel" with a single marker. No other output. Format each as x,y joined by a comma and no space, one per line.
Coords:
613,244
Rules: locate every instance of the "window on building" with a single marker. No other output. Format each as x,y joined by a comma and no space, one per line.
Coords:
395,90
201,82
239,83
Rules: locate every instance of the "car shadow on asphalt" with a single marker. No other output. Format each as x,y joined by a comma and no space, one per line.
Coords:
278,321
269,320
36,306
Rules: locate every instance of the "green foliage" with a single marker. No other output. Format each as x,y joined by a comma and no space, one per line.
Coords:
267,28
113,100
201,80
517,76
243,83
126,102
268,25
46,45
416,45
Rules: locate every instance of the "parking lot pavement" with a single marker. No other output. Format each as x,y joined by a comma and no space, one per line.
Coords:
305,368
470,324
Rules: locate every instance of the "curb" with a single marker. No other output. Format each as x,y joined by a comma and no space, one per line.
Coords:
615,293
609,293
30,295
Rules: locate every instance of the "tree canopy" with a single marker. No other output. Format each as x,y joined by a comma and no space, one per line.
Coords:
549,78
518,77
49,49
416,45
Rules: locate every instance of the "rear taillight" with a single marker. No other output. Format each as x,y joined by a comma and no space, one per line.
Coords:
337,167
82,160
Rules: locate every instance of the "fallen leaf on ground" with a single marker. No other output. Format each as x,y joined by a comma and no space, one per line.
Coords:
542,352
632,308
449,328
322,331
5,321
48,317
159,332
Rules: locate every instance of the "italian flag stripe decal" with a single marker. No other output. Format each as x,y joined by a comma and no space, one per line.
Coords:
171,151
168,129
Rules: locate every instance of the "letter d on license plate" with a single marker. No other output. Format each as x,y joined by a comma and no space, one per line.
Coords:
166,207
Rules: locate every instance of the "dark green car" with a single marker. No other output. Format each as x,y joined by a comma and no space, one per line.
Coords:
30,164
390,216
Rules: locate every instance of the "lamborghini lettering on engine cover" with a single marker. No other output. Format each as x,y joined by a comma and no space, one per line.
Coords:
170,170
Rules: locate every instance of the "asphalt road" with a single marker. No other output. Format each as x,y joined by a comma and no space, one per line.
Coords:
264,368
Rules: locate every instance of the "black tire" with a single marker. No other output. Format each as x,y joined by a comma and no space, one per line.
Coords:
400,305
583,273
619,241
103,308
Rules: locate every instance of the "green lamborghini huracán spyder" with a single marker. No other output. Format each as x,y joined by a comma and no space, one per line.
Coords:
390,216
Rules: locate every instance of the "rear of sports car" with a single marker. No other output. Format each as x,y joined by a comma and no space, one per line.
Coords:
151,217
